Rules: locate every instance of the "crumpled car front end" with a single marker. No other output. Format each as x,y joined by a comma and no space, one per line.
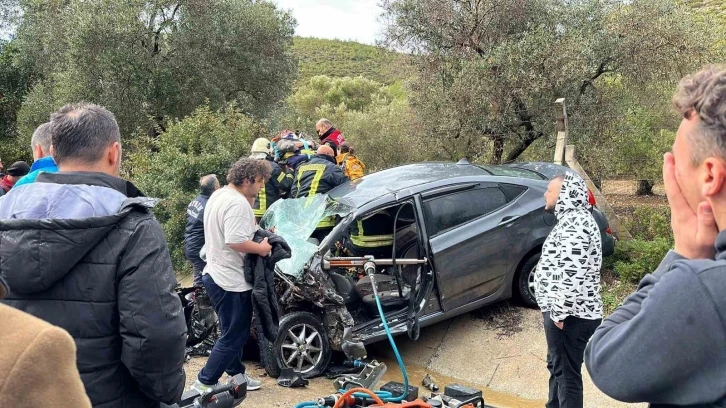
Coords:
301,280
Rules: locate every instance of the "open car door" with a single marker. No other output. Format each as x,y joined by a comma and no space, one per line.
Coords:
409,271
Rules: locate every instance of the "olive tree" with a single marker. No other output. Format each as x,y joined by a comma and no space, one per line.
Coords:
490,70
150,61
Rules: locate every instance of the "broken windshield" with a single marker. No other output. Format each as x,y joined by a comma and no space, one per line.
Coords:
295,220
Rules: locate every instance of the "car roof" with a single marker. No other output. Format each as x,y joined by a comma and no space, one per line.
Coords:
547,169
393,180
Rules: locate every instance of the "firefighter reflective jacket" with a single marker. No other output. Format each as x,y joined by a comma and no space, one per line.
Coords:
375,231
277,186
317,176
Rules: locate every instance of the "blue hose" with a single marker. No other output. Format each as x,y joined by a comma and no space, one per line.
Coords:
385,395
393,346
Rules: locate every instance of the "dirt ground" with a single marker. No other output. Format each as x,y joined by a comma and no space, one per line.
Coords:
500,349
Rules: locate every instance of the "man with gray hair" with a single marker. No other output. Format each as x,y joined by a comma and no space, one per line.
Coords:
81,249
664,345
43,161
329,135
194,230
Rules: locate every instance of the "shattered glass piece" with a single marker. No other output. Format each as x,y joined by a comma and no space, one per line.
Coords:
295,220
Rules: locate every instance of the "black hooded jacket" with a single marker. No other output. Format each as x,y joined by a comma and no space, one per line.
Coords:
261,273
84,252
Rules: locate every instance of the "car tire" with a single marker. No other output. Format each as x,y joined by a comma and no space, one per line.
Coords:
267,357
525,281
293,327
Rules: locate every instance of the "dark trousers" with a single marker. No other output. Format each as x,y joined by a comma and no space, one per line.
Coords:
565,353
198,266
234,310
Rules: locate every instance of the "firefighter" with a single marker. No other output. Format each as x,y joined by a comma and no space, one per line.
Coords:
318,176
352,166
372,235
277,186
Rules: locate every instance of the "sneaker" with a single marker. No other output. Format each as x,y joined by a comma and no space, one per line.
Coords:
253,385
203,388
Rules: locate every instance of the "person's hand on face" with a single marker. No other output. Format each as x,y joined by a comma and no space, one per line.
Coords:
694,232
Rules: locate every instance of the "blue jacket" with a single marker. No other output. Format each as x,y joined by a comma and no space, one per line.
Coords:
46,164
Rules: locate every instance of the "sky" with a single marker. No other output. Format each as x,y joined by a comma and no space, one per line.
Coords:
340,19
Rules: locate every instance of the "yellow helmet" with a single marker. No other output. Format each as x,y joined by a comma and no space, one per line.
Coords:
261,145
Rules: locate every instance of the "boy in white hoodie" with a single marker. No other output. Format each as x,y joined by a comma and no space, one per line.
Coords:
568,287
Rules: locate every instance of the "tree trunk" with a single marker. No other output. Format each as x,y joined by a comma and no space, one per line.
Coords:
498,149
645,187
522,146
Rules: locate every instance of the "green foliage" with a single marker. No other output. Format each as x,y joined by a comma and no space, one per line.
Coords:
651,223
375,119
625,133
149,62
634,259
614,293
324,96
713,11
337,58
169,167
384,135
653,235
14,84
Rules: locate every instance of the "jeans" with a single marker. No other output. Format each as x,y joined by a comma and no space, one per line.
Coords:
565,354
234,310
198,266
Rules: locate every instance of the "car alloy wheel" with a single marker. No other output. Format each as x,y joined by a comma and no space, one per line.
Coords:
525,284
302,348
530,283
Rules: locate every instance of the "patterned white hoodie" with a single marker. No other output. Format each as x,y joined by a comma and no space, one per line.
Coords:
567,279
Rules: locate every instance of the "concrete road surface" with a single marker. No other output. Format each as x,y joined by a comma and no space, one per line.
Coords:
501,348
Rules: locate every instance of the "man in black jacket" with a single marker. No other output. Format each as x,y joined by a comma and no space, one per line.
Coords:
82,250
318,176
194,231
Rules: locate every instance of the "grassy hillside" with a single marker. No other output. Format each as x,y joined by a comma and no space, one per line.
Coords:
337,58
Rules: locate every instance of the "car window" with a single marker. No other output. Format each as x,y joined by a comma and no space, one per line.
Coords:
513,172
449,211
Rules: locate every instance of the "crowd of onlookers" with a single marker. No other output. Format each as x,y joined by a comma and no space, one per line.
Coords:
84,256
90,315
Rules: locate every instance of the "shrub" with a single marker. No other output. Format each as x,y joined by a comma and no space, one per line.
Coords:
634,259
649,223
383,136
169,166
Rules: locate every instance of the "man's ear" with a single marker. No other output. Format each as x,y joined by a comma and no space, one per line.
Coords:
713,176
38,151
113,154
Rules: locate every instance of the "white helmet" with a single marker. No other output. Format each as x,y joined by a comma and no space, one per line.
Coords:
260,148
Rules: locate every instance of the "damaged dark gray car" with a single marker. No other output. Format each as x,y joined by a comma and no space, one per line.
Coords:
457,237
